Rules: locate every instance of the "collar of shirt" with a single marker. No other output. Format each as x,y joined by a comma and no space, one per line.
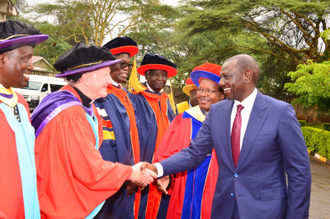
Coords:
116,84
189,104
245,113
152,89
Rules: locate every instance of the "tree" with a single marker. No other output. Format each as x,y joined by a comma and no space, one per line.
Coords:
311,83
91,21
54,46
290,26
280,35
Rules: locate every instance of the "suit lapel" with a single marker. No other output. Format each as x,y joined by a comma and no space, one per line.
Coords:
224,128
256,121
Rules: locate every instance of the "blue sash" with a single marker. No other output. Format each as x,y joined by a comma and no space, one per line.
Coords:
24,136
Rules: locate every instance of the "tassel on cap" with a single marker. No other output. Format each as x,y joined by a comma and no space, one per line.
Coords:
133,82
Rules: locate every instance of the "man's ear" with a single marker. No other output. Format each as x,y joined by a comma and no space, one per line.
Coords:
247,76
86,79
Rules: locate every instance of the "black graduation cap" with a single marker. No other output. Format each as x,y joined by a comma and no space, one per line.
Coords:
122,45
82,58
157,62
14,34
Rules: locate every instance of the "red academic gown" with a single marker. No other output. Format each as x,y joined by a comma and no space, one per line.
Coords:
11,196
197,200
75,178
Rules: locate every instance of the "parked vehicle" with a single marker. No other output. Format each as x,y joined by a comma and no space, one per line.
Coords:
38,88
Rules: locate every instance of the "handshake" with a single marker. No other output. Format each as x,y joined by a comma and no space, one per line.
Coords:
142,175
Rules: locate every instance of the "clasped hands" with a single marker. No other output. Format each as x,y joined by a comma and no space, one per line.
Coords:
143,174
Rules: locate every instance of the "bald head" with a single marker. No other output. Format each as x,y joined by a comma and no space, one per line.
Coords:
245,62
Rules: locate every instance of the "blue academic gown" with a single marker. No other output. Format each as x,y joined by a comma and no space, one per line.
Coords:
120,144
154,113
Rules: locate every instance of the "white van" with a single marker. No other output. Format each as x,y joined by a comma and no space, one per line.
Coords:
38,88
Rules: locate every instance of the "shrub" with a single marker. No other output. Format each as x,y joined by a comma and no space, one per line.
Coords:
302,123
326,126
317,140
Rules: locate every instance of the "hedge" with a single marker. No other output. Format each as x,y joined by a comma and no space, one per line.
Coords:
317,140
302,123
326,126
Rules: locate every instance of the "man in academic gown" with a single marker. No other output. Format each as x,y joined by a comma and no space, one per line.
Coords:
18,183
120,134
193,190
189,89
154,112
75,179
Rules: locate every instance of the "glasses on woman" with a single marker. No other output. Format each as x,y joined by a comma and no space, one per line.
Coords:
124,65
207,92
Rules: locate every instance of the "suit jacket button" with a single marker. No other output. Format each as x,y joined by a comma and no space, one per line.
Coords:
236,175
232,195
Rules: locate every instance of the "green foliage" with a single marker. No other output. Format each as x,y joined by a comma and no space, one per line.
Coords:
326,126
311,83
282,33
291,26
317,140
54,46
92,21
302,123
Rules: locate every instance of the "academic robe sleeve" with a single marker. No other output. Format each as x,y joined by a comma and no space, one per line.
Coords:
75,178
175,139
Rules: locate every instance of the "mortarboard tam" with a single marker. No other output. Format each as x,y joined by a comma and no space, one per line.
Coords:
14,34
207,70
189,86
157,62
82,58
122,45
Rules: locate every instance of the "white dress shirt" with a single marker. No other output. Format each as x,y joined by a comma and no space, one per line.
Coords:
116,84
245,113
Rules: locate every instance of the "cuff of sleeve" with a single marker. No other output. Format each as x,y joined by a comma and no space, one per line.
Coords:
160,169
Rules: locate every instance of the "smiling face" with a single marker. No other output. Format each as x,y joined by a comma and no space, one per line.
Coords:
239,77
208,93
119,74
16,66
233,81
156,79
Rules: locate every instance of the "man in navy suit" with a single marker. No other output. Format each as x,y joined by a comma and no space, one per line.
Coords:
264,171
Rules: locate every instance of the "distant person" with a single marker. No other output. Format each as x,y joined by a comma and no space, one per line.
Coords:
189,89
192,191
154,112
75,179
18,183
264,169
120,134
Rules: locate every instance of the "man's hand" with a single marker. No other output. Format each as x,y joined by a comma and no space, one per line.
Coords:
162,184
141,177
131,188
148,166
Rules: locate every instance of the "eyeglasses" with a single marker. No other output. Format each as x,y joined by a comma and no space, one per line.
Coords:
125,65
207,92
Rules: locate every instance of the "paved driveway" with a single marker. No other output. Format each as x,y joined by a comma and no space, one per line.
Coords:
320,196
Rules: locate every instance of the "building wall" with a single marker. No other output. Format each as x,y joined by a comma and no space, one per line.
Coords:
7,9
